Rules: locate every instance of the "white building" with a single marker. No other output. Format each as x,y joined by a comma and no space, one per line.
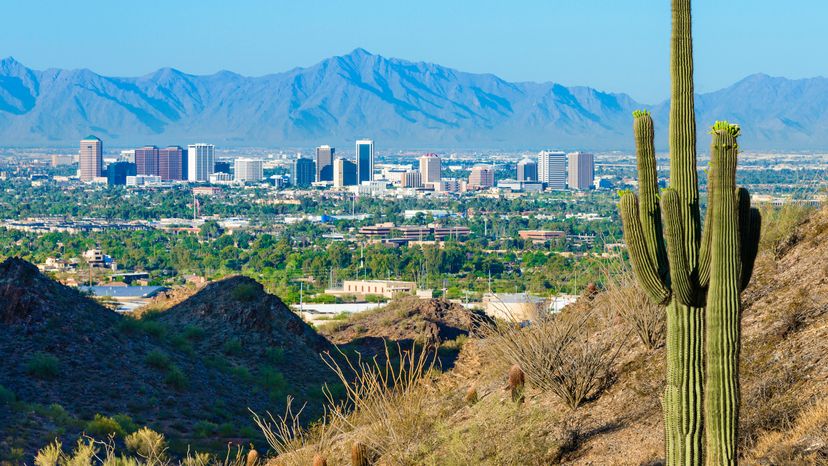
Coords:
430,169
552,169
143,180
221,178
248,170
201,161
581,170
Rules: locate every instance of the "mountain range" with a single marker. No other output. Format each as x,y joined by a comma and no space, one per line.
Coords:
398,103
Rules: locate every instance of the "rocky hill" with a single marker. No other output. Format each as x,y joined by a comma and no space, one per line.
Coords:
191,372
398,102
466,416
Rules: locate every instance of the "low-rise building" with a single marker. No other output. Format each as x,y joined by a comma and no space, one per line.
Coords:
542,236
385,288
514,307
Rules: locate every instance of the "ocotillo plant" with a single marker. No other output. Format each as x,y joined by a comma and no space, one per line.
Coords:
672,259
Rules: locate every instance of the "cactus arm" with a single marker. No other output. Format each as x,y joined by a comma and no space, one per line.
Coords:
648,191
750,245
679,270
683,176
643,266
722,321
704,251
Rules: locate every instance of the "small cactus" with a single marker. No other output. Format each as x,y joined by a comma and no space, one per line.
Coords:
252,457
319,460
360,455
517,383
471,396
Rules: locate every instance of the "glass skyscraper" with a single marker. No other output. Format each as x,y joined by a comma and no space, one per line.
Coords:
365,160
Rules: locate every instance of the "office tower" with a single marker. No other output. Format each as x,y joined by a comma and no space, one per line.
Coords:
527,170
146,160
365,160
581,170
412,179
324,163
221,167
481,177
248,170
344,173
430,169
201,161
171,163
91,158
304,172
552,169
117,172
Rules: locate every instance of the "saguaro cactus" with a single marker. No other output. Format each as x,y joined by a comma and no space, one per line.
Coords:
676,262
733,245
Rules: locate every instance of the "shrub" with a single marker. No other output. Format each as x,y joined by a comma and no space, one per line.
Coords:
6,396
149,445
275,355
157,359
127,424
102,426
193,332
232,347
273,380
43,365
246,292
175,378
205,429
559,355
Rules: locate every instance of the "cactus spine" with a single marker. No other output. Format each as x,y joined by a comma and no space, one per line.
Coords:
688,269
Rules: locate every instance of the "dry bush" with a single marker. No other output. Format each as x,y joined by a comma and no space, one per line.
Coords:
559,354
805,443
625,297
294,444
386,402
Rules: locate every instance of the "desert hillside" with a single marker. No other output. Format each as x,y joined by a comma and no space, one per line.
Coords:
190,372
467,416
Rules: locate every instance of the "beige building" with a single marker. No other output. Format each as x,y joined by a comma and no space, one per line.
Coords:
430,169
581,170
362,288
91,158
481,177
514,307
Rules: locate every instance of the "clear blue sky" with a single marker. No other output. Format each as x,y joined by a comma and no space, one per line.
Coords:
613,45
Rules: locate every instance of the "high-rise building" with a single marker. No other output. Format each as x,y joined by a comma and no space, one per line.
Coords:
90,158
581,170
481,177
344,173
248,170
304,172
412,179
171,163
324,163
117,172
527,170
201,161
146,160
223,167
552,169
365,160
430,169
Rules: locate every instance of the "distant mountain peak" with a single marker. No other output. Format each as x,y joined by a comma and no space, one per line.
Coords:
402,103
